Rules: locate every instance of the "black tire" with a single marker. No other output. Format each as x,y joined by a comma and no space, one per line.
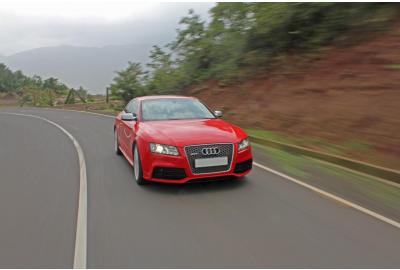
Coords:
116,143
137,167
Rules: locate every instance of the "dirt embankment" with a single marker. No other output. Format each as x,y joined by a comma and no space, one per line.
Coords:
9,99
345,93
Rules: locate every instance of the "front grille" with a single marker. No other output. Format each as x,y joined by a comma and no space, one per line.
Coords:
169,173
195,152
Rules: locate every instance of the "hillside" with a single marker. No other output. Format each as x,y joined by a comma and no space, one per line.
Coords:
343,94
90,67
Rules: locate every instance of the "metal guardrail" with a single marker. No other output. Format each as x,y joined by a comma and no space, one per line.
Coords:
374,170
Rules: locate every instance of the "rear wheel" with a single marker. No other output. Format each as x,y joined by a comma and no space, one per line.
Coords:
116,144
137,167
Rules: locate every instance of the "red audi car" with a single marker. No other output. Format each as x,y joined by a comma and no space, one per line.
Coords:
176,139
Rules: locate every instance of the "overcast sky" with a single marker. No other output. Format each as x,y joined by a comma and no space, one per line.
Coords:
27,24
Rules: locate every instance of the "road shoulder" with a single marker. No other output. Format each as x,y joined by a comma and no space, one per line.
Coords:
352,186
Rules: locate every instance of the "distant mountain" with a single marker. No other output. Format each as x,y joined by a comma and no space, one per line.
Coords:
90,67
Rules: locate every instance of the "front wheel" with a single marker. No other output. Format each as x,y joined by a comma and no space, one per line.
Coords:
137,167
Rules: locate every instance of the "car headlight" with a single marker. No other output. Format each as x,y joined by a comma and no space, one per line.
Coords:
244,144
164,149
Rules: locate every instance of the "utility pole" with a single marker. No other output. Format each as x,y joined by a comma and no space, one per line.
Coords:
106,94
67,101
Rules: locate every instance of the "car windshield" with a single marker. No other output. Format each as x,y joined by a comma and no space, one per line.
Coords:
174,109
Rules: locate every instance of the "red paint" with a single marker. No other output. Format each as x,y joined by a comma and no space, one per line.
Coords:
178,133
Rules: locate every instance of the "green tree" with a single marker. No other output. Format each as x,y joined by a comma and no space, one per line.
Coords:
162,77
242,37
228,31
191,49
129,82
32,89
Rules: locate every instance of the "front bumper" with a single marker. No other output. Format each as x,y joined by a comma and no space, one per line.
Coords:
157,168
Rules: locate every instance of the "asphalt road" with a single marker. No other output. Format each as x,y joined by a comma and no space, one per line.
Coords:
261,221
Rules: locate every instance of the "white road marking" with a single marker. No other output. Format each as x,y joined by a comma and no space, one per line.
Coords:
81,224
331,196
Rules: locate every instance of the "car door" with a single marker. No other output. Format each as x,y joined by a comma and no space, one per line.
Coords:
120,128
127,129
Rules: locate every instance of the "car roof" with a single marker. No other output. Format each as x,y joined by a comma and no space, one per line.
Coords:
163,97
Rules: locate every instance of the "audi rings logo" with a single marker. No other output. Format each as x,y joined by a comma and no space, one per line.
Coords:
210,151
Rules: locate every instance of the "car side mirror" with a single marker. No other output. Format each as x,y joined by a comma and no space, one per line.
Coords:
218,114
128,116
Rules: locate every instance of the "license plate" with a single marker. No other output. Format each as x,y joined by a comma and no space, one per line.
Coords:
210,162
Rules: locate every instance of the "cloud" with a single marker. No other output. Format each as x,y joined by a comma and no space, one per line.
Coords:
31,24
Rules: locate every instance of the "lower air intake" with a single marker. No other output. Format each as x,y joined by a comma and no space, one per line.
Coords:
243,166
169,173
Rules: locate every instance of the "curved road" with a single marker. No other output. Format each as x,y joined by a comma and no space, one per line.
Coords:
262,221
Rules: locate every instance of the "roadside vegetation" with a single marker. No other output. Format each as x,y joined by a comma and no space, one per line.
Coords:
351,145
240,41
243,39
36,91
17,89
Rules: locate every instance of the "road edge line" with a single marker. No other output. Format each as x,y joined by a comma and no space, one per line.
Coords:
80,249
331,196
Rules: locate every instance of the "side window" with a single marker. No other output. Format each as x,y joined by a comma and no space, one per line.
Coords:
132,106
127,106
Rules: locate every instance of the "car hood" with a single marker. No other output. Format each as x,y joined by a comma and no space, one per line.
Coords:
188,132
